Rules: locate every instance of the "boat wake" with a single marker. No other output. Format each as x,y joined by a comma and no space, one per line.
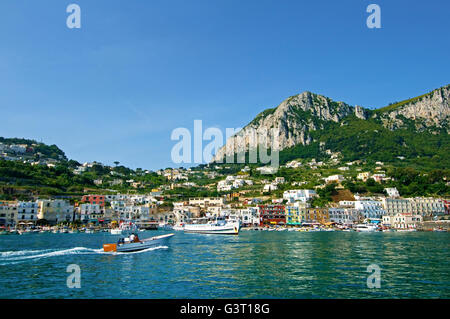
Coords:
12,257
137,252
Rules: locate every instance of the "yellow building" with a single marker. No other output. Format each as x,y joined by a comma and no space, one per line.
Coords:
55,211
315,215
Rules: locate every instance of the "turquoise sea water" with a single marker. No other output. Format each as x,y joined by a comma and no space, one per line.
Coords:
251,265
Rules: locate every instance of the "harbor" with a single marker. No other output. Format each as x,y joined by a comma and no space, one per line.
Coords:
254,264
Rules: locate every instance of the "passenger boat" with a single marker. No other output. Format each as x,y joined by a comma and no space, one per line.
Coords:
365,228
127,245
179,226
219,226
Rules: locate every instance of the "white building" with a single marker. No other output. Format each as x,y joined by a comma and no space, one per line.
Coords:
270,187
27,212
392,192
343,215
8,212
334,179
302,195
88,212
207,201
18,148
420,206
427,206
370,209
267,170
402,220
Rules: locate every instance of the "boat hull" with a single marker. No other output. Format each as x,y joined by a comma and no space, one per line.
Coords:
141,245
232,229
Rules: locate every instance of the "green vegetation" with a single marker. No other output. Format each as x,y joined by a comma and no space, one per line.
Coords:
49,151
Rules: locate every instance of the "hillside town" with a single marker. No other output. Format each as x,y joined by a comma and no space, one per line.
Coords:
294,209
304,193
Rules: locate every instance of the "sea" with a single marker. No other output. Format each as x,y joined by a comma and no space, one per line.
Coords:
253,264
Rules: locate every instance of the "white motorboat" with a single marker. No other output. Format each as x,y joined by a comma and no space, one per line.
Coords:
127,245
365,228
219,226
179,226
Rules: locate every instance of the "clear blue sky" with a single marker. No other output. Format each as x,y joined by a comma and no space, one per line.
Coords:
116,88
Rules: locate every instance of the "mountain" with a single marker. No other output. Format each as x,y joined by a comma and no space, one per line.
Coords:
308,124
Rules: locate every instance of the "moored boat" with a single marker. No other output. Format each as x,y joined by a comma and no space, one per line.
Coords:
365,228
179,226
219,226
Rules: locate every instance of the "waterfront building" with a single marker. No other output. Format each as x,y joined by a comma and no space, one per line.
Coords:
371,209
344,215
271,214
27,212
8,212
446,207
394,206
90,213
402,220
94,199
55,211
141,213
428,206
249,216
418,205
315,215
293,215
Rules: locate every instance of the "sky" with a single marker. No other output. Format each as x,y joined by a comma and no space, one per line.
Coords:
116,88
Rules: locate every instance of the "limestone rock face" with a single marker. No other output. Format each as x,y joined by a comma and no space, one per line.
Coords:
290,123
428,111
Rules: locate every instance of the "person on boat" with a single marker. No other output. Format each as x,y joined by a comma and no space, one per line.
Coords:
134,238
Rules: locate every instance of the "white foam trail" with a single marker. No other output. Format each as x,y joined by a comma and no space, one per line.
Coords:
140,251
8,254
12,257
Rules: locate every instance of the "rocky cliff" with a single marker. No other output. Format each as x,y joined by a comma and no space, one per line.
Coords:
429,111
295,118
